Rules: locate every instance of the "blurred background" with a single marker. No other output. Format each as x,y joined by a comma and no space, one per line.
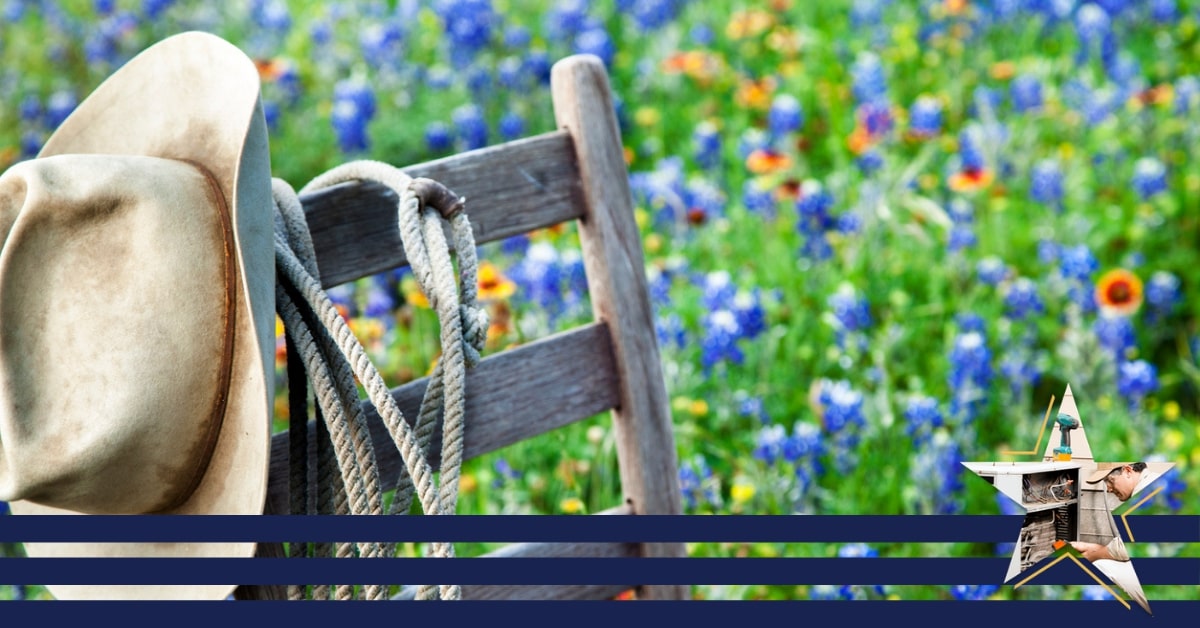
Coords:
881,235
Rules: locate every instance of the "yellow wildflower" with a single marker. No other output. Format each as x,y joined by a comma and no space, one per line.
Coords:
571,505
742,492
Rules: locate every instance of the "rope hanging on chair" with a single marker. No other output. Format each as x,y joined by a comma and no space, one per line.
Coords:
323,351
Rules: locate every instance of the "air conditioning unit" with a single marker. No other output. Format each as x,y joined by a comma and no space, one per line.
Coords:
1050,494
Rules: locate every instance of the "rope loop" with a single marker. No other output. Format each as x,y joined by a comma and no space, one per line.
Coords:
333,360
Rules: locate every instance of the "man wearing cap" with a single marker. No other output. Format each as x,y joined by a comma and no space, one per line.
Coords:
1122,480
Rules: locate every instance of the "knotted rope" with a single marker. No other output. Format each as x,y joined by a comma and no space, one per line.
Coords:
322,348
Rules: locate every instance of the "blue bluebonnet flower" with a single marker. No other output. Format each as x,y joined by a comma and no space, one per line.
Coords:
1047,251
970,373
804,450
537,64
566,18
751,406
1077,264
152,9
841,405
752,139
923,417
320,32
1115,334
380,43
468,26
701,34
650,15
751,315
697,483
1174,490
769,443
814,219
841,410
504,472
1187,94
1164,11
962,218
512,125
517,36
1026,93
1046,183
719,344
510,71
1095,592
857,550
353,109
670,330
1149,177
973,592
758,198
1135,380
991,270
1162,295
936,473
479,81
439,77
851,314
470,125
1092,23
869,162
785,115
869,84
968,151
438,136
925,117
719,289
706,144
30,109
60,105
1021,299
596,41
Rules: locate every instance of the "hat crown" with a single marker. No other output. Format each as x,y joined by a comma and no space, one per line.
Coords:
116,292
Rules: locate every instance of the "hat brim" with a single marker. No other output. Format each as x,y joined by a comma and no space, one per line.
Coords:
195,97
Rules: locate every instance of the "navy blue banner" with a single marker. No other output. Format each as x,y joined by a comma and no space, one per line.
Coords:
700,613
557,528
526,571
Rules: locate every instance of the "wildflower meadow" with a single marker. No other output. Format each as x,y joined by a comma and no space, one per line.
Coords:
880,235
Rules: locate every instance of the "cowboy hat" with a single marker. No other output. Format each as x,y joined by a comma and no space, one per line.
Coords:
137,308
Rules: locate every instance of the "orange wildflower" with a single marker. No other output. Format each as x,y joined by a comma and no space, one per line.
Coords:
697,64
271,69
750,23
766,161
1119,292
859,140
971,180
755,94
492,284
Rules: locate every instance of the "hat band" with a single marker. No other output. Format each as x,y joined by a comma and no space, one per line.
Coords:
208,441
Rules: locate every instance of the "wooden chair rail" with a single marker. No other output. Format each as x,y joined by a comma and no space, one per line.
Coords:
511,396
512,188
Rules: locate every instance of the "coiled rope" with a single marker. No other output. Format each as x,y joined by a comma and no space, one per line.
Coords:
323,350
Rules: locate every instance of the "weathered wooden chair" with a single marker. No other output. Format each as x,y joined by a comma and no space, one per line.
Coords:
576,173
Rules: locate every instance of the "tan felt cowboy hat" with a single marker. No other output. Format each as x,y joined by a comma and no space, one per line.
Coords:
137,307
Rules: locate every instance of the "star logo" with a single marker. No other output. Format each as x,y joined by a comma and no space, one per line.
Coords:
1069,499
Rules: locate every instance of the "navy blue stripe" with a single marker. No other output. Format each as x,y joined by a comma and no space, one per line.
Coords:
778,571
576,614
551,528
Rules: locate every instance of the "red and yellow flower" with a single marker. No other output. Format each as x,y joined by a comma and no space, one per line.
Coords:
1119,292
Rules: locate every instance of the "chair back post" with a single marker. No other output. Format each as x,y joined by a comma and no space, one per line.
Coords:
613,260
